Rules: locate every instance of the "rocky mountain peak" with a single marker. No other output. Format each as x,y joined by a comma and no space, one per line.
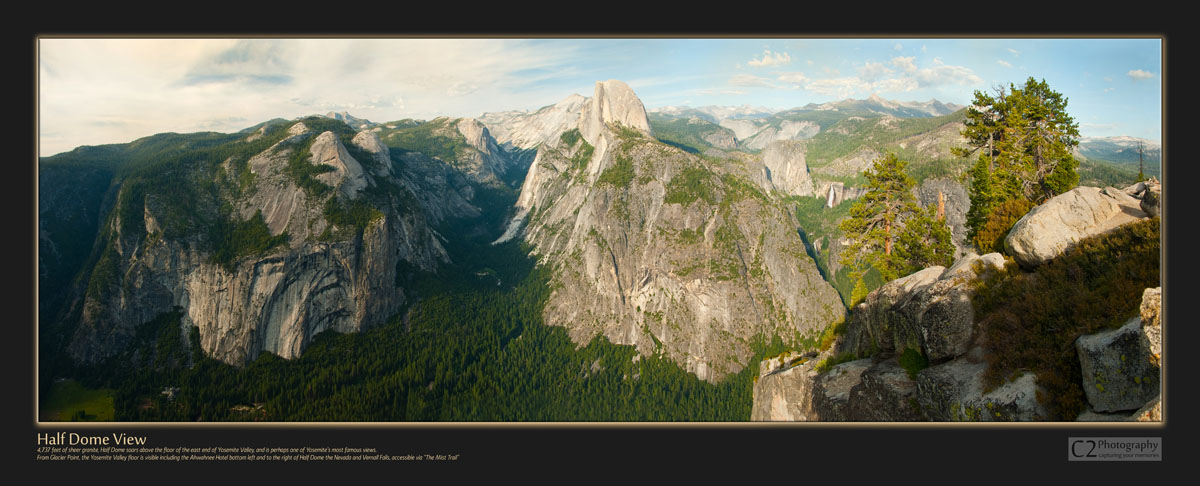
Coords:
574,102
488,157
370,142
875,98
613,102
298,129
476,134
347,173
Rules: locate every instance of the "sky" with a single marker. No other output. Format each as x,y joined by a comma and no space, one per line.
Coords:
94,91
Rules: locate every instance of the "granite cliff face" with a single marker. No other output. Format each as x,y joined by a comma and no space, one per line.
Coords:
525,130
331,271
786,169
663,250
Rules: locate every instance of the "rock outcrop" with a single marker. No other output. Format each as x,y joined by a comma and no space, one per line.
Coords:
833,390
524,130
929,313
954,391
486,159
347,173
1121,368
786,170
784,393
743,129
1056,225
757,136
852,164
612,102
885,393
1117,370
835,193
1150,313
370,142
1152,198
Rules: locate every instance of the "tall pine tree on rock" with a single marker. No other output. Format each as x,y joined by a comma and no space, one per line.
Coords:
888,231
1024,138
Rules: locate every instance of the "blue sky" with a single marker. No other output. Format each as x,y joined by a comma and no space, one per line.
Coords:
95,91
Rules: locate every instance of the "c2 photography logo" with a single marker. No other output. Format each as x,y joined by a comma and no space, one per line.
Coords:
1114,449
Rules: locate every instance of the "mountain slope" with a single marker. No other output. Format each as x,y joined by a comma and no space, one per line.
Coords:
670,252
262,241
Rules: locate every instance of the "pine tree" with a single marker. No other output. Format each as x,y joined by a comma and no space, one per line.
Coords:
859,293
1024,138
1141,150
886,228
925,241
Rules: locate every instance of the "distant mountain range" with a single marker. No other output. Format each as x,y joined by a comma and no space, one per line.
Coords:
872,105
1120,149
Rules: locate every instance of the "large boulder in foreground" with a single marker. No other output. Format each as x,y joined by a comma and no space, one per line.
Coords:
885,394
954,391
1051,228
929,311
1117,370
783,391
1152,198
831,395
1151,312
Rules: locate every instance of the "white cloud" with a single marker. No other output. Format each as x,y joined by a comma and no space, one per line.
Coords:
715,91
923,49
794,78
1014,52
1138,74
265,61
771,59
750,80
895,85
941,74
838,87
1106,90
1003,63
873,71
95,91
905,64
900,74
897,46
809,62
1108,78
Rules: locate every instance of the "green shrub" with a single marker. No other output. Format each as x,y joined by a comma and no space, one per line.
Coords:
690,184
356,213
828,363
569,137
619,174
831,334
1031,319
913,362
303,172
998,223
233,239
421,138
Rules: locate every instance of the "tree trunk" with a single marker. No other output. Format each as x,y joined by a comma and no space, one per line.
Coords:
887,239
991,155
941,214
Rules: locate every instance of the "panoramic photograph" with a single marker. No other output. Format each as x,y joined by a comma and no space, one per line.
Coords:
683,230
